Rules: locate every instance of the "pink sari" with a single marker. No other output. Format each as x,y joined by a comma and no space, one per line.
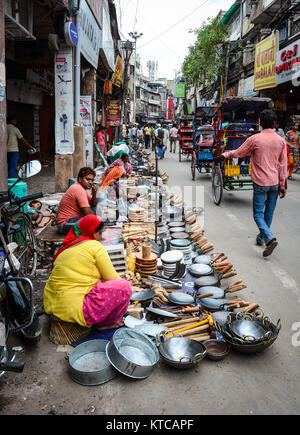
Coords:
107,303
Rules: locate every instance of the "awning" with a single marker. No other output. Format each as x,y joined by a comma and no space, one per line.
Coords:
230,12
15,31
268,13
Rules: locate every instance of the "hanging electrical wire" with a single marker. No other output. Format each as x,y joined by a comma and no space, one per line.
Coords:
174,25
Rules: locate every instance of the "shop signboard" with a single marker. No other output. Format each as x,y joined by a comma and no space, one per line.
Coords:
87,123
71,34
118,74
90,35
64,109
265,63
107,41
113,114
246,87
288,63
96,7
180,90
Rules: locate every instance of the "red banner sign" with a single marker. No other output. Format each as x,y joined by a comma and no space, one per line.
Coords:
113,117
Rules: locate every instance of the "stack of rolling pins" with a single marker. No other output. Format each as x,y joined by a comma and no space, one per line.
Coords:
138,230
198,333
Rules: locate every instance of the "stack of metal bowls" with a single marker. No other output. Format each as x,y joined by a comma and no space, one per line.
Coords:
185,246
170,260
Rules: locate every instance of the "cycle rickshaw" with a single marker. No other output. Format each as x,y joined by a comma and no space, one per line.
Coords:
186,132
204,138
235,174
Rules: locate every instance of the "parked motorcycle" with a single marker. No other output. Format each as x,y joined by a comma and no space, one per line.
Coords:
16,292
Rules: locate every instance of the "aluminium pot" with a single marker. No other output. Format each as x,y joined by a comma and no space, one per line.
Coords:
132,353
88,364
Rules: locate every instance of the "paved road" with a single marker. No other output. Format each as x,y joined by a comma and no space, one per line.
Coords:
266,383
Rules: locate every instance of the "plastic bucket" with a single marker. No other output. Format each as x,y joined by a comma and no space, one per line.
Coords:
19,190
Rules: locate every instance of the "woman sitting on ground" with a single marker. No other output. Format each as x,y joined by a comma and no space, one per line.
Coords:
84,287
123,162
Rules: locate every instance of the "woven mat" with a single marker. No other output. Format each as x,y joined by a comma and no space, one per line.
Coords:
62,333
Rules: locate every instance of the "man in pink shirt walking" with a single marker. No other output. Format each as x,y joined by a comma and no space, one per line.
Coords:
269,175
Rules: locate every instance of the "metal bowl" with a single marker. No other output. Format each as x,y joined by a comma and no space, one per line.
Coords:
132,353
240,345
88,364
216,349
182,353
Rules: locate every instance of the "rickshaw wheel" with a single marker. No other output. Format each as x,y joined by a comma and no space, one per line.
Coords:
193,168
217,185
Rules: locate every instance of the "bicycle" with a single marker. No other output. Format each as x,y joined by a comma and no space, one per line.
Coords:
12,215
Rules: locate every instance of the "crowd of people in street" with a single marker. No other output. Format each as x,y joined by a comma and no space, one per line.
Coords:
153,136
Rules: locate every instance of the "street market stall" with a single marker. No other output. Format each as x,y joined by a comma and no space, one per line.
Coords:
187,301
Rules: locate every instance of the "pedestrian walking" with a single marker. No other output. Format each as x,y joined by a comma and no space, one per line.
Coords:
173,138
166,137
293,143
269,161
147,136
279,130
100,137
134,134
140,135
159,135
153,138
13,135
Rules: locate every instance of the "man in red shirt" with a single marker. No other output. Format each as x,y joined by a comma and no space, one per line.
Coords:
269,162
77,202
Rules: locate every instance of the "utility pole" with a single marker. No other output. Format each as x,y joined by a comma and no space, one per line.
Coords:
3,146
135,36
128,48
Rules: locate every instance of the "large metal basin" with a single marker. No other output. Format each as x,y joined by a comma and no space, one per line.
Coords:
88,364
132,353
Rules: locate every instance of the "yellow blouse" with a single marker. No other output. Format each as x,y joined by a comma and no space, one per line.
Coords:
76,272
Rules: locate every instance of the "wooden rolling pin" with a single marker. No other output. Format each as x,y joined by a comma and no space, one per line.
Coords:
199,337
194,331
181,322
250,308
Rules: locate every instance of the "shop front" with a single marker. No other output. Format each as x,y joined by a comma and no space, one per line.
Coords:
286,94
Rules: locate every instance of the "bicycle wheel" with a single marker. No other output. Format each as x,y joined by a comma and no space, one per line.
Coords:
26,251
217,185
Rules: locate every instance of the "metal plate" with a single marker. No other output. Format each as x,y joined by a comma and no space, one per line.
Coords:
199,270
181,243
177,230
172,256
202,259
218,293
176,224
142,296
205,281
181,298
180,236
214,304
161,313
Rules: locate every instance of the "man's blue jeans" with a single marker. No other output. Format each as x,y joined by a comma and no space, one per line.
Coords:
12,161
264,204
